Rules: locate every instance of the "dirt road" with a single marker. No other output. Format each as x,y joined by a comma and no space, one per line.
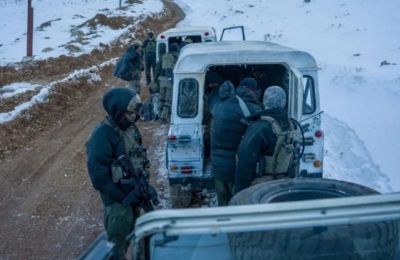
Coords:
48,208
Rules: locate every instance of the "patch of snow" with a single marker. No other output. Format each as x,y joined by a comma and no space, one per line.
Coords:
162,173
91,73
346,157
16,88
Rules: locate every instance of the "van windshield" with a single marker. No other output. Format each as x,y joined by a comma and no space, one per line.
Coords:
357,241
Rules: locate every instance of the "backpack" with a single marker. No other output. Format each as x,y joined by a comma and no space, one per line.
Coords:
146,111
150,47
125,68
281,160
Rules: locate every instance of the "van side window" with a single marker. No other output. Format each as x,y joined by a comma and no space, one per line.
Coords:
308,95
188,98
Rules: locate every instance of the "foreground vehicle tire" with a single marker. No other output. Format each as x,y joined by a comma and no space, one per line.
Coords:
181,196
376,240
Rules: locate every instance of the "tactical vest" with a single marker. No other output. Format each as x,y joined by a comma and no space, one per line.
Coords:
132,140
168,63
150,47
282,157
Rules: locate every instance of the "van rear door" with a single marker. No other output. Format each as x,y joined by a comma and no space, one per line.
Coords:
234,33
185,145
295,105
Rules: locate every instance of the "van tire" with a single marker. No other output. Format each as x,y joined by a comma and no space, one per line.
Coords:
181,196
376,240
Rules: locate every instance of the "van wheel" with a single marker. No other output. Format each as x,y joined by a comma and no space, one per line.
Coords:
181,196
376,240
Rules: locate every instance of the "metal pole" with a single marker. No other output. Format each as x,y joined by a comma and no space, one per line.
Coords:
120,5
30,30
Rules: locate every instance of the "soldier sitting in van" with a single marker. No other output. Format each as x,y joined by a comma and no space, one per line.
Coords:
166,66
270,136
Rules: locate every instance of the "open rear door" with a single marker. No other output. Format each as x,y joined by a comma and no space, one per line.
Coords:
234,33
295,105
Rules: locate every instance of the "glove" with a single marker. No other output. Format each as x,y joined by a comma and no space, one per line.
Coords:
132,199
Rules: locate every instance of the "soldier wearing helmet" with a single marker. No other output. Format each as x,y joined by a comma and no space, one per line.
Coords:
116,136
149,53
130,66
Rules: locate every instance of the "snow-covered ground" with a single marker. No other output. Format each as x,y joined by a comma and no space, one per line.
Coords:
62,25
356,44
62,22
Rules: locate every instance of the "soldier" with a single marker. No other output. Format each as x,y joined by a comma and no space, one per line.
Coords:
130,66
149,52
167,64
227,131
115,160
271,136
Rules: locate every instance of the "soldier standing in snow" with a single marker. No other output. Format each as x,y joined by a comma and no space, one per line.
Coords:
166,65
130,66
115,143
149,53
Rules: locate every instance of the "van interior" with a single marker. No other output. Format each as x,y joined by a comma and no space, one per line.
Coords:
266,75
181,40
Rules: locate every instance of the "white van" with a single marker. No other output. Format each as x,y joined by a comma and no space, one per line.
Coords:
196,34
296,71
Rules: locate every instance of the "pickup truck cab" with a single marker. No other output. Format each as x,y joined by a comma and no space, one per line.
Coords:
182,36
270,64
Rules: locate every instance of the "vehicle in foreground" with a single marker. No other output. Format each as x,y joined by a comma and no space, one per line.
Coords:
295,220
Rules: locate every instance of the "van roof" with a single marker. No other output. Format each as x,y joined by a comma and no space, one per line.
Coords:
187,31
198,56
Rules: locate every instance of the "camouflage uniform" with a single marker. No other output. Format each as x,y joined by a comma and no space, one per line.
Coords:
167,62
149,52
111,139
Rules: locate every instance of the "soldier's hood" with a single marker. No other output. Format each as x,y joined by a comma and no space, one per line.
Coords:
226,90
248,95
116,101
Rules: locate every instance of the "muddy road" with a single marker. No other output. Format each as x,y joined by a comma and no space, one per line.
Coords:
48,208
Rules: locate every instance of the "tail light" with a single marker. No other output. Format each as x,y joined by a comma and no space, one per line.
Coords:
171,138
206,33
319,133
317,163
186,169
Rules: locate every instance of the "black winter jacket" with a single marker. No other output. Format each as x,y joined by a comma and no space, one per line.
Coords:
227,131
105,144
129,66
259,140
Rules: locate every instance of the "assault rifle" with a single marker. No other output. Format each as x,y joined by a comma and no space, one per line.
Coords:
141,193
